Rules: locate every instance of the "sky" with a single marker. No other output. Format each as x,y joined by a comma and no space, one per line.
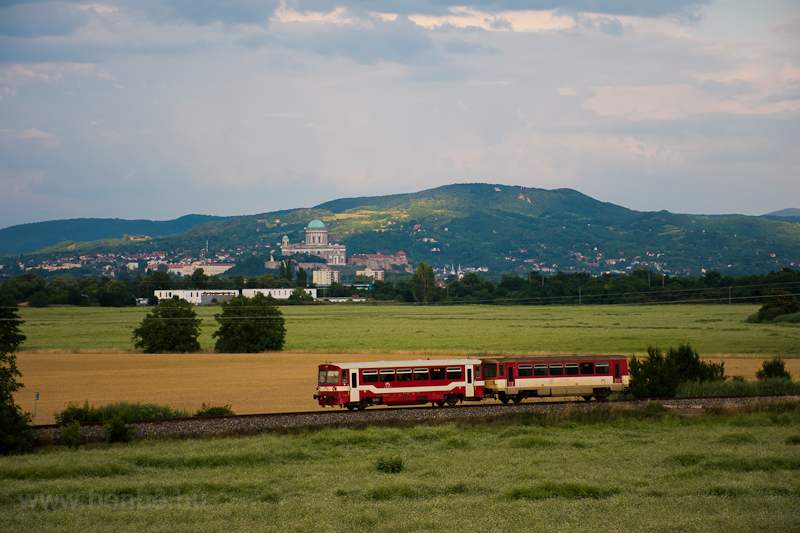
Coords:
155,109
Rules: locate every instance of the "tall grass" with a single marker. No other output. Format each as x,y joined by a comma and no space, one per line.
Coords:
734,472
127,411
696,389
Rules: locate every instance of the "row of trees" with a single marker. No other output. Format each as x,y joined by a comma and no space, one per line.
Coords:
246,325
640,286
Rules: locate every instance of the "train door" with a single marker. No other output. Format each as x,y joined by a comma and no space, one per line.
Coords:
617,378
354,395
470,389
510,376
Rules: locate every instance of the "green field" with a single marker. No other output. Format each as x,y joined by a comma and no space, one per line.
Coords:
623,329
737,472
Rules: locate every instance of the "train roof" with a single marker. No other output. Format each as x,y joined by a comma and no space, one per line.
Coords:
549,358
409,363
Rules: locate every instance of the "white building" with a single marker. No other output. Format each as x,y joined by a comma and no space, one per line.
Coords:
198,296
278,294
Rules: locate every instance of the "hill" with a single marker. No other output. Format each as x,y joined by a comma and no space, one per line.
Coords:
27,238
504,228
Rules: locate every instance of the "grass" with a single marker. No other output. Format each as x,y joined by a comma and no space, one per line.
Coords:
738,388
648,471
474,329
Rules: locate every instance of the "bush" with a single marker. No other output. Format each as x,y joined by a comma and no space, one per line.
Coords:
172,326
116,430
778,303
775,368
659,375
389,465
71,434
208,410
129,411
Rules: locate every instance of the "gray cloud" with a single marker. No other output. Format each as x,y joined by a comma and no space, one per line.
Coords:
40,19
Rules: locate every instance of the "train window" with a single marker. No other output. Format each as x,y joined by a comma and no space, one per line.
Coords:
322,374
420,374
502,370
490,371
355,380
437,373
454,372
601,368
525,371
478,372
344,377
556,369
333,377
369,376
387,375
587,369
571,369
404,374
540,369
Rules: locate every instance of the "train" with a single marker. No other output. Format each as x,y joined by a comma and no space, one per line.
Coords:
450,381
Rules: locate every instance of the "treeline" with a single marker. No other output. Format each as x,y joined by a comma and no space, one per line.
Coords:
640,286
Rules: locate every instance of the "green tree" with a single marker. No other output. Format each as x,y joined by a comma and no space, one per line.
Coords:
659,375
249,325
16,435
774,368
299,295
172,326
778,303
423,283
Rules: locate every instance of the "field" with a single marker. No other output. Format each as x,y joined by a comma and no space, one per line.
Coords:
737,472
617,329
77,354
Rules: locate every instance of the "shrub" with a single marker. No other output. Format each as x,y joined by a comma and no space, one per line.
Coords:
778,303
116,430
389,465
71,434
774,368
659,375
208,410
129,411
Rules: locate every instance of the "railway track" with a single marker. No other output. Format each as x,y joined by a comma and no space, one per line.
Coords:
257,423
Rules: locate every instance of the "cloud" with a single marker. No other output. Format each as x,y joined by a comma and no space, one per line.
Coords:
39,19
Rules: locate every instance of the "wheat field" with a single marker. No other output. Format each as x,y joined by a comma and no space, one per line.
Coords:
250,383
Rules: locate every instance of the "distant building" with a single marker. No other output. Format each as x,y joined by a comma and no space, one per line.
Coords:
198,296
326,276
209,269
316,243
379,261
377,275
278,294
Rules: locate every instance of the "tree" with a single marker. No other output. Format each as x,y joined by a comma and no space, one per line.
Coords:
659,375
249,325
774,368
299,295
16,435
423,283
173,326
778,303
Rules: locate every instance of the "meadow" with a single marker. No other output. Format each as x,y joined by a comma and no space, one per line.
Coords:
473,329
644,471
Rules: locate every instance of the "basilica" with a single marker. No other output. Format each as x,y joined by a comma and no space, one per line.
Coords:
316,243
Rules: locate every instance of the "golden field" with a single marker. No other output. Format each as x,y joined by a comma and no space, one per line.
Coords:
249,383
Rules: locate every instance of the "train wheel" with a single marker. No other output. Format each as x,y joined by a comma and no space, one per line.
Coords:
587,398
350,407
452,401
440,404
504,400
518,399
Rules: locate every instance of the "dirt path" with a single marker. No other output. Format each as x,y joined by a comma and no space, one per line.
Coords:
249,383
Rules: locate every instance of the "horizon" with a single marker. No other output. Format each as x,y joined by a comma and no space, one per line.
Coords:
126,110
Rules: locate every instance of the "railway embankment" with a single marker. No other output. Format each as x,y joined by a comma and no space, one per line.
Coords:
251,424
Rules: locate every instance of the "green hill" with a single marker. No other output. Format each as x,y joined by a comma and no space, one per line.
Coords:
508,228
27,238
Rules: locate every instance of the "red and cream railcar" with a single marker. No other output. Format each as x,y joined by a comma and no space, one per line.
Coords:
360,385
517,378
